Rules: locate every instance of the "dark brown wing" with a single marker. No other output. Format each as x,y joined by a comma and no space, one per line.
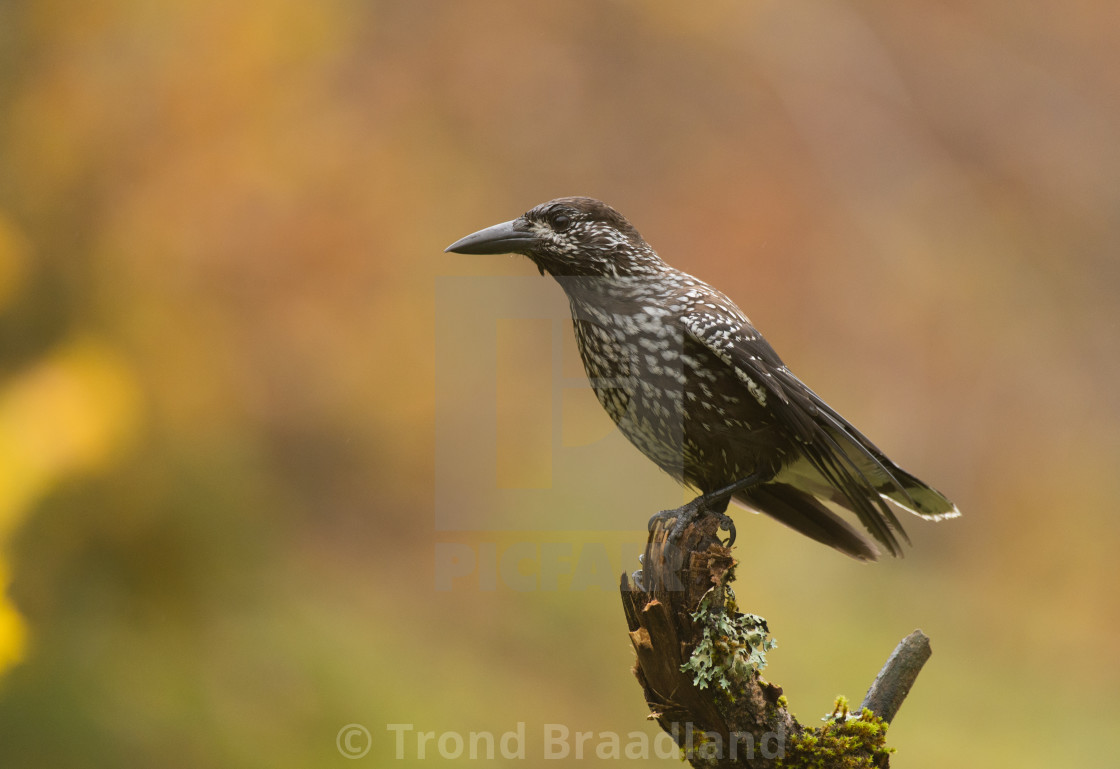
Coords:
852,471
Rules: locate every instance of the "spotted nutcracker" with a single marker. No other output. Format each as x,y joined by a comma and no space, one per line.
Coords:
688,379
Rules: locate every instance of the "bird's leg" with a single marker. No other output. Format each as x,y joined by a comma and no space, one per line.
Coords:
713,502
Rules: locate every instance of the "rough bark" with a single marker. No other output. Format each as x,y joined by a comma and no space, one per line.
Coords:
703,686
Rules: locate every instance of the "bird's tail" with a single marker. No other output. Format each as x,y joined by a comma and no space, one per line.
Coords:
917,497
847,471
887,478
806,514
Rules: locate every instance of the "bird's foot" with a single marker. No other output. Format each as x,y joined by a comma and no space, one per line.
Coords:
689,513
637,577
727,525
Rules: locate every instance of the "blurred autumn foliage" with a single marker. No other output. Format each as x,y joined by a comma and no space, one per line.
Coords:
221,234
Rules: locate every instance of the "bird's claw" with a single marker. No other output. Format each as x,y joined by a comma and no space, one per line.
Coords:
661,517
727,525
686,515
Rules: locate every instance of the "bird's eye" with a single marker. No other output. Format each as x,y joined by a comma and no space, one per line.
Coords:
560,222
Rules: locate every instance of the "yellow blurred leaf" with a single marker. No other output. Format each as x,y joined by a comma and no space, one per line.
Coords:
72,411
13,631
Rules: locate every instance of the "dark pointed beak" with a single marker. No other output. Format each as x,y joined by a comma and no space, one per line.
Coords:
512,237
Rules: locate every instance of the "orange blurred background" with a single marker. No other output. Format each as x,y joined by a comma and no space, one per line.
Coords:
258,482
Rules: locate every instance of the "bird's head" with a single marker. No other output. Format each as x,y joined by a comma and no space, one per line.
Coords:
565,237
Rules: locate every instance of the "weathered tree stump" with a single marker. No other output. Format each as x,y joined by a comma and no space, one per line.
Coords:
699,657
